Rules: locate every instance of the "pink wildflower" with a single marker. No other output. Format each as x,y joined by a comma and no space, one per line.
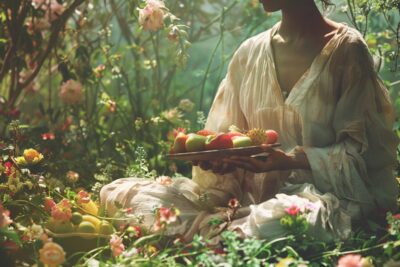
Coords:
350,260
151,17
117,247
396,216
71,92
48,204
293,210
168,215
62,211
82,197
48,136
4,217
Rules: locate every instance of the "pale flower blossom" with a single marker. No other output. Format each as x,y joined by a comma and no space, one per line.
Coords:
52,254
117,247
62,211
4,217
71,92
151,17
72,176
34,232
186,105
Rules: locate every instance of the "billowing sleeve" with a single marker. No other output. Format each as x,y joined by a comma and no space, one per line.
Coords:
226,109
224,112
359,166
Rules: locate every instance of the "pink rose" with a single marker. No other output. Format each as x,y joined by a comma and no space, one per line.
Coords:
71,92
293,210
151,17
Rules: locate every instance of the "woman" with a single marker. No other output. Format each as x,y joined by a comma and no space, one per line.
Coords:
312,80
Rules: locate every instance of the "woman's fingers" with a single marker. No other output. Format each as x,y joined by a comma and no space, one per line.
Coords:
240,164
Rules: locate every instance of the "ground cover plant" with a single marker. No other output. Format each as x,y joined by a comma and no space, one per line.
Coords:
92,91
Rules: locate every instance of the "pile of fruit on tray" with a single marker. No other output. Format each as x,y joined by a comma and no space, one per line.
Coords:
204,143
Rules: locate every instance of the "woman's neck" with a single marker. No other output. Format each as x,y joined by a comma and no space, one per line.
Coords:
301,20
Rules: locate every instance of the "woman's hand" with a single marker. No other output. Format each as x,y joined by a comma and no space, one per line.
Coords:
277,160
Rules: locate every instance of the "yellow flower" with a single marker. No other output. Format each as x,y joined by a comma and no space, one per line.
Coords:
285,262
52,254
21,161
32,156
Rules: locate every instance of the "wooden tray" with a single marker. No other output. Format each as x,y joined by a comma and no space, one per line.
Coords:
219,154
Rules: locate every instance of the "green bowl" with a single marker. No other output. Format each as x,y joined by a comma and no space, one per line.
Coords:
79,243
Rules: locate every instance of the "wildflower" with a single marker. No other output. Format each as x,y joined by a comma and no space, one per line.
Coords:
62,211
117,247
293,210
48,204
98,71
4,217
286,262
168,215
20,161
34,232
164,180
233,203
134,232
151,17
72,176
48,136
52,254
186,105
173,115
350,260
9,168
111,106
151,249
130,253
71,92
32,156
173,34
82,197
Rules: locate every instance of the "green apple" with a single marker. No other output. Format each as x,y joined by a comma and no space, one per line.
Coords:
195,142
106,228
86,227
61,227
76,218
241,141
179,143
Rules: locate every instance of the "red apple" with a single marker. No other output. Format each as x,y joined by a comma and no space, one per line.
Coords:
272,136
234,134
220,141
205,132
179,143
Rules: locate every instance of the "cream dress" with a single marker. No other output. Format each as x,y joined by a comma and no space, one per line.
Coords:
338,113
